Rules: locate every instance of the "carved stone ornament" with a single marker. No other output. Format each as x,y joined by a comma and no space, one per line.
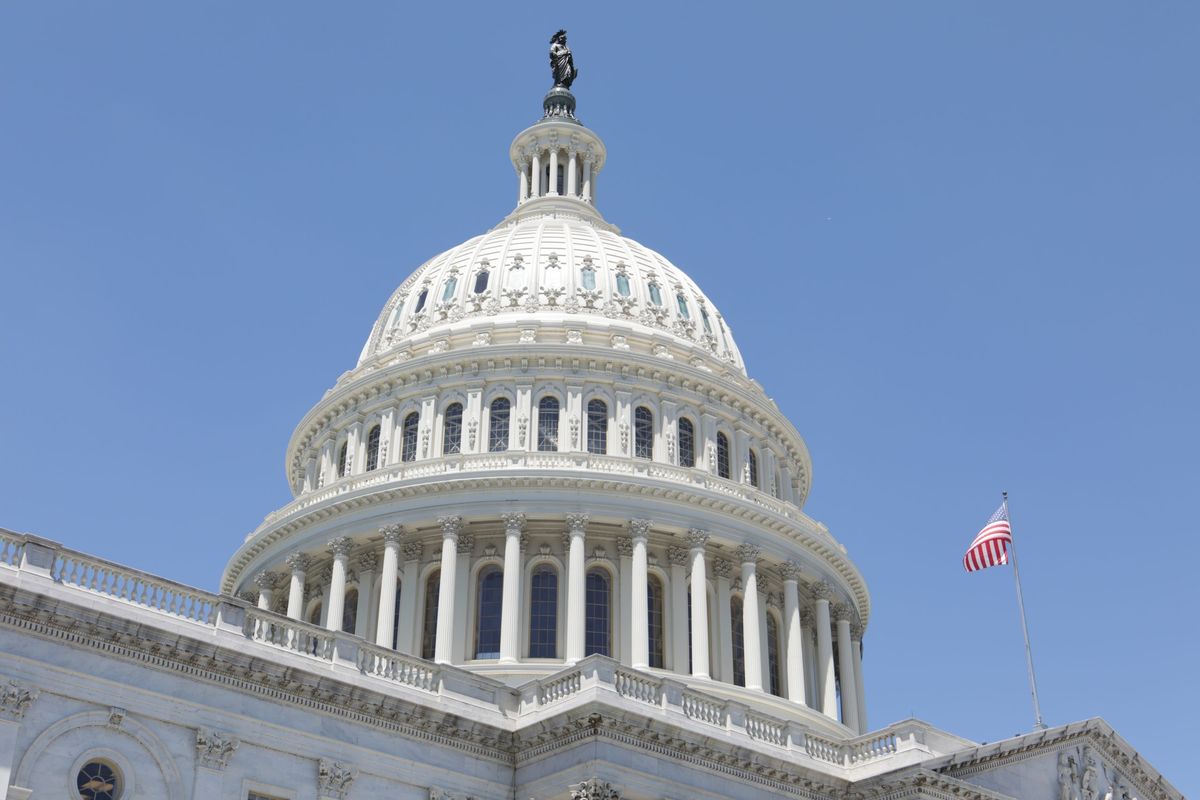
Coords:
116,716
266,580
747,553
677,556
822,591
1079,776
722,568
513,521
341,546
522,429
413,551
624,429
451,526
528,335
472,429
573,424
594,789
334,778
298,562
697,538
577,522
367,562
625,546
619,342
789,571
639,528
391,534
466,543
214,748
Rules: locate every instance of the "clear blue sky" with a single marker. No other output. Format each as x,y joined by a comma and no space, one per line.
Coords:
957,242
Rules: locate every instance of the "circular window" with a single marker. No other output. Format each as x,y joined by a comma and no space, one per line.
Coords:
97,780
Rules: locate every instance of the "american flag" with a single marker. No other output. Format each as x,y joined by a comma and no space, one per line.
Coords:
990,547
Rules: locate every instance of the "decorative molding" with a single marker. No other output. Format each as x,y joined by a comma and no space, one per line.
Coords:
267,581
624,547
368,562
722,568
334,778
822,591
790,571
116,715
747,553
697,538
412,551
514,522
214,748
341,546
298,562
466,544
594,789
577,522
639,528
451,526
677,556
391,534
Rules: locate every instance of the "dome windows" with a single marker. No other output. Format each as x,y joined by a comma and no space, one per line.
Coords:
597,427
421,298
598,610
98,780
723,470
487,621
547,428
622,282
704,319
682,304
543,613
655,294
481,280
498,416
452,429
373,448
448,291
587,277
643,433
752,468
408,437
687,443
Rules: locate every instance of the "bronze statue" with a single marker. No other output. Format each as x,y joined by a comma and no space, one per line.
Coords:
561,62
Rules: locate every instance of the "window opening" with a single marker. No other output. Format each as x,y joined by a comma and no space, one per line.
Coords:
597,630
448,292
408,438
597,427
587,277
481,281
487,622
97,780
547,424
681,301
643,433
723,456
429,626
421,298
498,424
341,459
753,463
622,284
655,294
452,429
543,614
773,654
654,620
687,443
373,448
739,645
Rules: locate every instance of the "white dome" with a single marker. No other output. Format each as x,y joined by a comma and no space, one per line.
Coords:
535,267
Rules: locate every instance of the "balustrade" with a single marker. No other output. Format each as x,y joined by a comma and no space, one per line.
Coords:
766,729
11,547
139,588
703,708
398,668
560,688
637,686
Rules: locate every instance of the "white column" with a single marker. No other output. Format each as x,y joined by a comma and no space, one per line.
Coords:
298,563
624,622
696,541
678,558
535,174
764,658
385,627
510,603
825,677
451,528
722,570
587,179
572,183
639,602
266,582
576,586
340,547
846,667
552,188
523,190
410,589
462,590
366,589
856,633
751,642
793,639
812,686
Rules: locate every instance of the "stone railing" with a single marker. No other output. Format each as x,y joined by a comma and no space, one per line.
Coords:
11,547
398,668
133,586
521,459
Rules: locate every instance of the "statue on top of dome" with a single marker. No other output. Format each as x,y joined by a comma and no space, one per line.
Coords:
561,62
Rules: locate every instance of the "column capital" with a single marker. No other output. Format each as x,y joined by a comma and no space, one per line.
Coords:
299,562
367,562
577,523
822,591
451,526
324,577
843,611
856,631
266,580
807,617
639,528
747,553
466,543
249,595
514,522
341,546
789,571
677,556
722,568
696,538
413,551
624,546
391,533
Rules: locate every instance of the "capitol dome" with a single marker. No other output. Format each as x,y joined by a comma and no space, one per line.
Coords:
548,445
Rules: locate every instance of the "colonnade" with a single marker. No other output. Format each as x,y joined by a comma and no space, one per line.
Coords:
815,659
538,170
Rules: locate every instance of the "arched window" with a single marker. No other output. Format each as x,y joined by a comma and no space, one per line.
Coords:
704,319
498,424
681,301
597,427
314,616
587,277
421,298
97,780
350,611
487,619
773,654
481,281
643,433
687,443
654,619
598,630
655,294
543,613
408,437
448,292
452,429
753,468
429,623
373,448
547,430
341,459
622,284
723,456
739,644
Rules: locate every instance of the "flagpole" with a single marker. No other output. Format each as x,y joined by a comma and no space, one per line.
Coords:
1037,708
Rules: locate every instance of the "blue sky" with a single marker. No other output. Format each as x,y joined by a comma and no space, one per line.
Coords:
956,242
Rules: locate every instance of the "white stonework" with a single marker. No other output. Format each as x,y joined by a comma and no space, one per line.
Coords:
547,481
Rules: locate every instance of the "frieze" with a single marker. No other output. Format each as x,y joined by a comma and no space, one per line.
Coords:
215,748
